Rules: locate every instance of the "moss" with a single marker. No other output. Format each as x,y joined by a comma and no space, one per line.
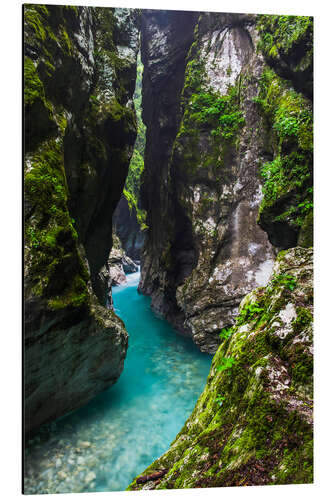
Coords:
297,464
109,37
287,44
55,268
288,178
282,34
75,296
34,16
207,116
39,120
49,27
33,87
136,167
305,238
303,319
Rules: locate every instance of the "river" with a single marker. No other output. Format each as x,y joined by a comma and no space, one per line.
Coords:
105,444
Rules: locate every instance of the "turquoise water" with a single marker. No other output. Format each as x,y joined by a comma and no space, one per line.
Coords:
104,445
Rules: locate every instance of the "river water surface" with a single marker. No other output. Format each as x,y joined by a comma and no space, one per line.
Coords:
104,445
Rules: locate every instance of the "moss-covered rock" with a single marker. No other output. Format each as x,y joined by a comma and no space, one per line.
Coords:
287,204
252,425
74,347
209,251
129,219
287,44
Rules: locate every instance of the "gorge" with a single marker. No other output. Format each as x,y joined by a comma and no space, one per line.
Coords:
220,216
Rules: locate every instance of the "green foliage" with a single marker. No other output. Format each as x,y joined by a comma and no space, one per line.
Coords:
304,318
56,269
133,180
287,126
287,44
33,87
283,35
219,399
272,173
286,280
226,364
217,113
226,332
306,205
288,177
32,237
195,77
206,114
249,312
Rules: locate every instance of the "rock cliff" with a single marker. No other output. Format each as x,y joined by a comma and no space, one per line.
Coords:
237,156
128,228
252,425
113,273
80,128
129,218
228,146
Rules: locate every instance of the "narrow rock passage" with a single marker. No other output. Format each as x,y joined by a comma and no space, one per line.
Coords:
104,445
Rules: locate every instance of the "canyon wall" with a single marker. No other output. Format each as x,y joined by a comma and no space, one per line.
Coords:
129,219
80,128
227,179
128,228
234,191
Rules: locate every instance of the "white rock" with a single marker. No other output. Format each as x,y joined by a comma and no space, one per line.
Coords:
90,477
85,444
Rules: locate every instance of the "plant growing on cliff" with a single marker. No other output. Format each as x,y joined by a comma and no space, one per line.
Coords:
217,113
226,364
288,176
219,399
206,114
226,332
286,280
283,34
249,312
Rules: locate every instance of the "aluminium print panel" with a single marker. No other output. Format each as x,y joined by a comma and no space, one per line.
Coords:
168,227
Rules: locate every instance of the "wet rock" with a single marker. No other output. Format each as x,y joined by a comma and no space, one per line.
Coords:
114,272
129,265
128,230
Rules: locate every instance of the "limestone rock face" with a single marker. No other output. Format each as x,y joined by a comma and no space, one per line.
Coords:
128,229
79,77
204,249
113,273
228,160
252,425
